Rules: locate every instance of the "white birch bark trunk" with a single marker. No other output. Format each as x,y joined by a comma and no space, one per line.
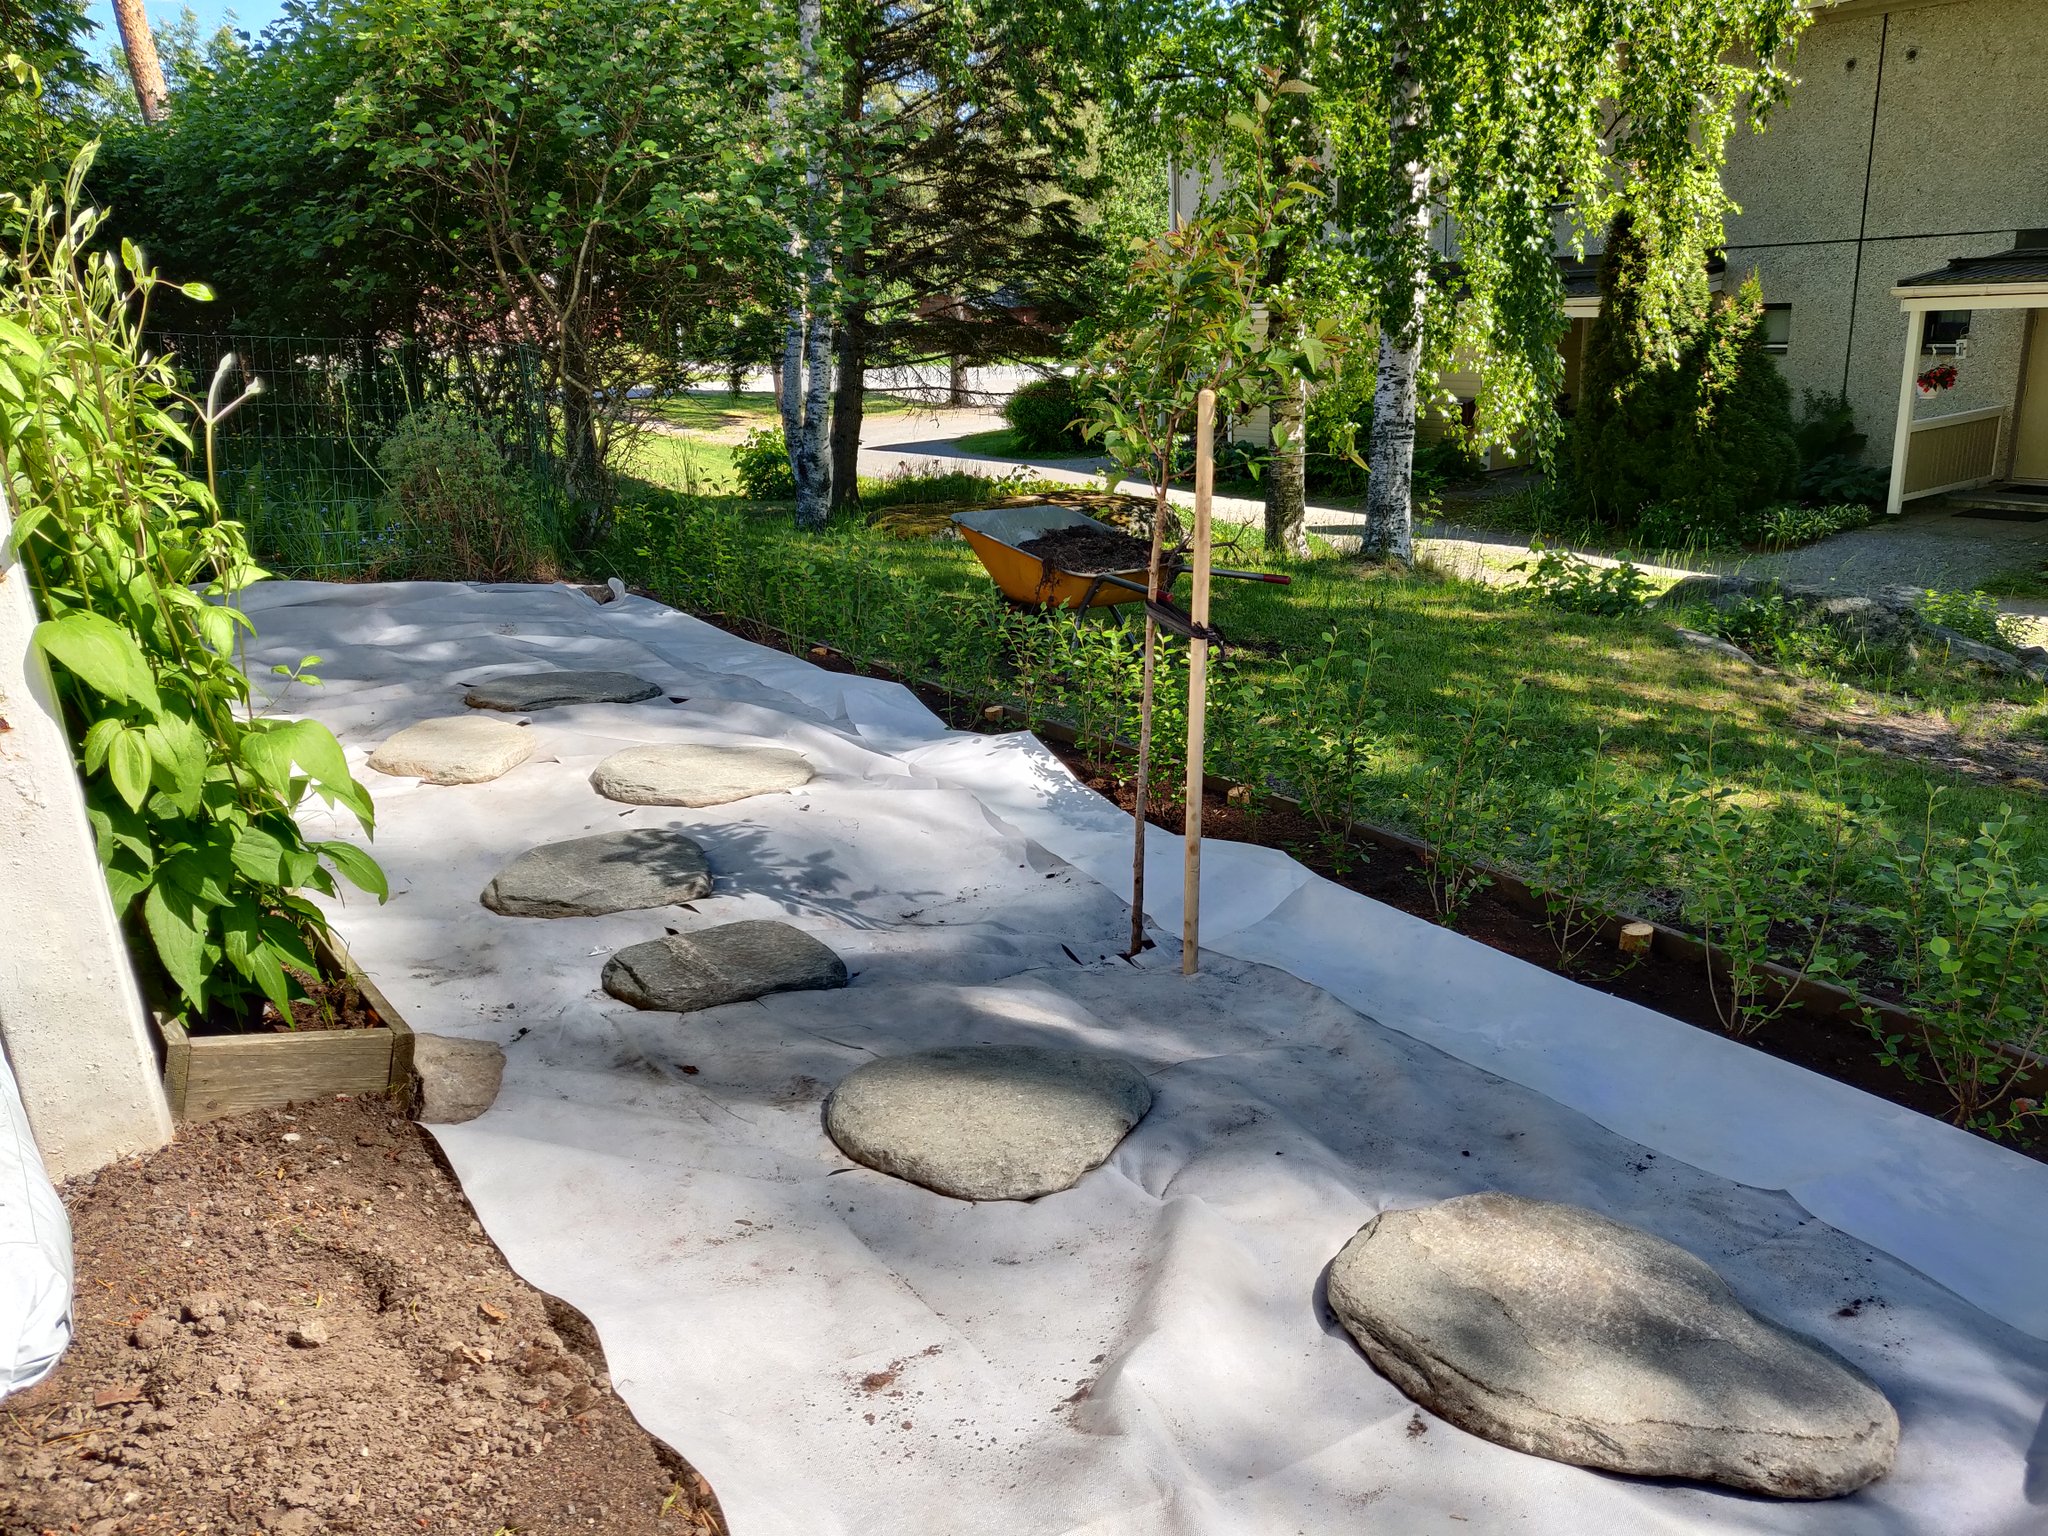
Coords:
807,327
1389,502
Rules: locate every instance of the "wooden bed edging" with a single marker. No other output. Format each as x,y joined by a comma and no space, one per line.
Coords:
208,1076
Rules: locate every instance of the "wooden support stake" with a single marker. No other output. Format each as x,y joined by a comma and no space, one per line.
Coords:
1198,683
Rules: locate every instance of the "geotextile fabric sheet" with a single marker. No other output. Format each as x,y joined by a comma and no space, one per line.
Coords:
840,1352
35,1253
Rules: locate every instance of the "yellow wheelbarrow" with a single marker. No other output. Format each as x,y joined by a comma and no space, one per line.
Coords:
1022,577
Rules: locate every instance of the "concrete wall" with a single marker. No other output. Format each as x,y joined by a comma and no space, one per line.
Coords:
1861,181
70,1019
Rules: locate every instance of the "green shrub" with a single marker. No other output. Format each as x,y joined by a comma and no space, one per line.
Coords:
190,793
1786,525
1974,614
1683,411
1578,585
1045,415
762,464
457,510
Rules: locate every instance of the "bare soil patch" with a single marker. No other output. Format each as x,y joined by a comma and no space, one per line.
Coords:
291,1322
1089,551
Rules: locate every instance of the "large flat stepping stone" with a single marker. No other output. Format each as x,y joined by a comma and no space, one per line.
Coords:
529,691
611,872
1558,1332
727,964
698,775
988,1122
455,749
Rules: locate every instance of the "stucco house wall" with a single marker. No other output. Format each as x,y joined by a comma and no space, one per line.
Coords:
1918,132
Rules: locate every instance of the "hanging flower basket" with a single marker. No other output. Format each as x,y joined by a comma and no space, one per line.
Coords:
1931,383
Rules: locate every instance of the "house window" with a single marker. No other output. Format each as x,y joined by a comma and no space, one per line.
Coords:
1948,333
1778,328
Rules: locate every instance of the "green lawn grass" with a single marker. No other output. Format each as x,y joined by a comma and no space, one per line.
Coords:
1003,443
716,411
1581,680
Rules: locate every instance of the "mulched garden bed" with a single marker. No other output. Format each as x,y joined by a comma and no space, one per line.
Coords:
1835,1047
291,1322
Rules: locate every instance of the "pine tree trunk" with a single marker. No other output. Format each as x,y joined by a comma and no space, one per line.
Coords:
1287,476
1389,534
144,68
849,406
956,382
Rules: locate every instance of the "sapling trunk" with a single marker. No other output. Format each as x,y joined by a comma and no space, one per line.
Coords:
1138,802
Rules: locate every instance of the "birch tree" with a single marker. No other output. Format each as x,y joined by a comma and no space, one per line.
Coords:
1477,140
797,96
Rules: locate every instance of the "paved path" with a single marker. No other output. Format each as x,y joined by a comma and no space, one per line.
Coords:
1932,547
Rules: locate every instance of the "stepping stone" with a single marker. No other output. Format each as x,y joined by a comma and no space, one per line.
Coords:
459,1079
455,749
731,963
1554,1331
698,775
529,691
611,872
988,1122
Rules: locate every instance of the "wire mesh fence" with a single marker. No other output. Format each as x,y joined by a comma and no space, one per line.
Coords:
296,463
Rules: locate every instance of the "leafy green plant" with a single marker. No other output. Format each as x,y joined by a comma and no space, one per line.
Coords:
1317,727
1578,585
457,511
1766,877
1785,525
1971,929
762,463
1589,851
1972,614
191,795
1046,415
1455,809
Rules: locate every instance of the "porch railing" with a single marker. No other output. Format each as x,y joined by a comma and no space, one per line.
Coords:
1954,452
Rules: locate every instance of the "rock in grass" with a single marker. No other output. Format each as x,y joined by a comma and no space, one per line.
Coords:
1558,1332
988,1122
528,691
697,775
456,749
611,872
727,964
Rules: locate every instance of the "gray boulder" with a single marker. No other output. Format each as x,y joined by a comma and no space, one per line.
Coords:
529,691
1558,1332
1960,647
727,964
988,1122
458,1079
698,775
456,749
611,872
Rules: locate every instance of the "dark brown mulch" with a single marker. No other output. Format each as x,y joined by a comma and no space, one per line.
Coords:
1089,551
290,1322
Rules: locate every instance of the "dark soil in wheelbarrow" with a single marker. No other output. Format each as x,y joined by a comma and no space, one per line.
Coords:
290,1322
1089,551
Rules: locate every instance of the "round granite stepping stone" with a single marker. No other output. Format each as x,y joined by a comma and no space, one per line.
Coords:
988,1122
611,872
529,691
1558,1332
727,964
698,775
456,749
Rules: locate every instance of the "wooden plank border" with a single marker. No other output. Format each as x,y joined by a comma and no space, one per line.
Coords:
214,1075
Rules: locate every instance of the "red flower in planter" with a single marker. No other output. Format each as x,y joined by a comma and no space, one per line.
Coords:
1940,376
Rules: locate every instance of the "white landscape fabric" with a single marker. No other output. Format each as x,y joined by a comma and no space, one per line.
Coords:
35,1253
1147,1353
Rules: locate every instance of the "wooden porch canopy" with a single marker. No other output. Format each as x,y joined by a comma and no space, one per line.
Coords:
2016,279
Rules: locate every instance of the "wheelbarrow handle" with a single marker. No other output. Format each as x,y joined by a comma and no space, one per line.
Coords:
1267,576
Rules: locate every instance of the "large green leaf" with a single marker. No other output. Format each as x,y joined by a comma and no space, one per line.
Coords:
357,866
101,654
180,937
128,766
